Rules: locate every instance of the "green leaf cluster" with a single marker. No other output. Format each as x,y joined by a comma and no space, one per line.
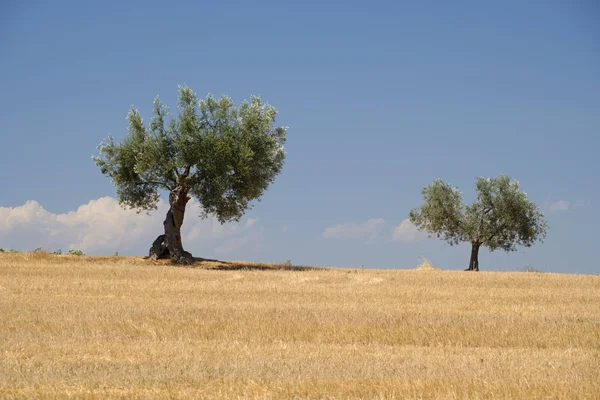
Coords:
501,218
225,156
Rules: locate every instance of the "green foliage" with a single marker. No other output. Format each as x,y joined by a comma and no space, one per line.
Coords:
116,254
74,252
13,251
57,252
442,213
1,250
222,155
501,218
39,250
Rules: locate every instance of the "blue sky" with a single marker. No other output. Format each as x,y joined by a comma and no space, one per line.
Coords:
381,98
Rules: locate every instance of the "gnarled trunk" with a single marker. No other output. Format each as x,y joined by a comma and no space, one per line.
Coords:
169,244
474,262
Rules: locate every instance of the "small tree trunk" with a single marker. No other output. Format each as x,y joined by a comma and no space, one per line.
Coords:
158,249
169,244
474,262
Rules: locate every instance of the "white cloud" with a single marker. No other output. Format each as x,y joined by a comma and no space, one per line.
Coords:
407,232
559,206
352,230
102,226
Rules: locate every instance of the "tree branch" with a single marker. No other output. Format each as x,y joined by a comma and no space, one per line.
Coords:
173,175
499,229
170,187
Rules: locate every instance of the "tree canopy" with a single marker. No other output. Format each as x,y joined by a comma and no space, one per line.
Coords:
501,218
224,156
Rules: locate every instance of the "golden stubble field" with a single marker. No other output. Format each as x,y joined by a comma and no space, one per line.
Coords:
82,327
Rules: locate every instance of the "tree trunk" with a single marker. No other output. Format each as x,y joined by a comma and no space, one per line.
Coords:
169,244
474,262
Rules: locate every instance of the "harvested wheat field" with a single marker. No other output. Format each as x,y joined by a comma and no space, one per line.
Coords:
84,327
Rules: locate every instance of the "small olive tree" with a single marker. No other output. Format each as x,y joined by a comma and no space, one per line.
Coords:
501,218
222,155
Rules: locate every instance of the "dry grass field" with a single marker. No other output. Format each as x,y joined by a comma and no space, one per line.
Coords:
83,327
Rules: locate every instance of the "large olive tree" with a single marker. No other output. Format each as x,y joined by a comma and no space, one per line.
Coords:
501,218
223,156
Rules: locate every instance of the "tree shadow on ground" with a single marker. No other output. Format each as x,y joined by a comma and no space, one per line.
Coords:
221,265
167,260
262,267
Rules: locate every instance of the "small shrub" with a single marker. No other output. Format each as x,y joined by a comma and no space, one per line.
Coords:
1,250
288,263
13,251
74,252
529,268
57,252
39,250
116,254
